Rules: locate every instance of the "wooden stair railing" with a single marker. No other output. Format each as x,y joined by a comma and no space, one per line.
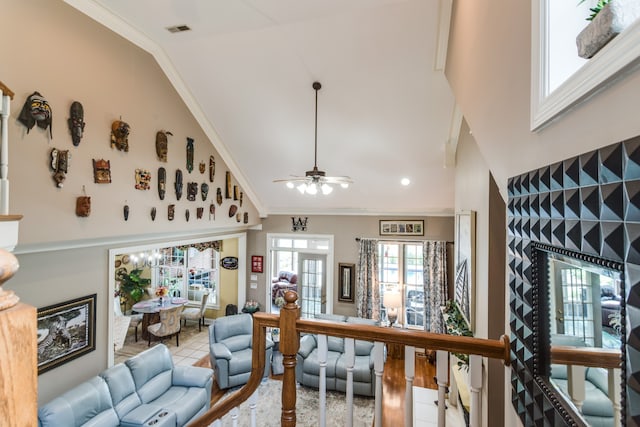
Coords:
291,326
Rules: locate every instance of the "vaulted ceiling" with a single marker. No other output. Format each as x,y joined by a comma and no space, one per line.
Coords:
246,67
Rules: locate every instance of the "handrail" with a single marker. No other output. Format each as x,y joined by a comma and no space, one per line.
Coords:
291,326
5,90
586,356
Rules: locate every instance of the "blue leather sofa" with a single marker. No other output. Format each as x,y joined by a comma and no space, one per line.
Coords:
145,390
230,350
308,366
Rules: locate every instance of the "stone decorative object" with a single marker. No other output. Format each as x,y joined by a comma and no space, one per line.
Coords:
8,267
608,23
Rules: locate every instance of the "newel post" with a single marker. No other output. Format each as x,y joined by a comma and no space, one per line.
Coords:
289,345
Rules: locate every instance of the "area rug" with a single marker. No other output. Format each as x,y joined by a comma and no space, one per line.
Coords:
269,408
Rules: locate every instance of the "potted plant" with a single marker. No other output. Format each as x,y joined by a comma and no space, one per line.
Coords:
131,284
608,18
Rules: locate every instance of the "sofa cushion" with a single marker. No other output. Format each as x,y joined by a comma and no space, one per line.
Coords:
122,389
185,402
363,348
312,365
361,369
240,362
152,372
88,404
333,343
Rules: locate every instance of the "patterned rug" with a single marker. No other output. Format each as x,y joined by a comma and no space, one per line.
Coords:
269,408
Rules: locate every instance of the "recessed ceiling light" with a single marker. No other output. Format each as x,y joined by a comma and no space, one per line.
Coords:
405,181
178,28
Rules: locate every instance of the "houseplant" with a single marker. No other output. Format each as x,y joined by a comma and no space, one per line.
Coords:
132,285
608,19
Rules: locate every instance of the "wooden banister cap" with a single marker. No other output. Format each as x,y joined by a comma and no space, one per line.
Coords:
6,90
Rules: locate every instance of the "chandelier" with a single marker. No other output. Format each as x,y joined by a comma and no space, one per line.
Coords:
316,180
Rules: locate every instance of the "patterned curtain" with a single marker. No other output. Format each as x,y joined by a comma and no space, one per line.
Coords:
216,245
435,284
368,288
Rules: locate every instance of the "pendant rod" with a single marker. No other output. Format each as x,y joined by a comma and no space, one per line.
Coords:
316,87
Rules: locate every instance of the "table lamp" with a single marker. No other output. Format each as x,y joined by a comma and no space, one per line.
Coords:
392,301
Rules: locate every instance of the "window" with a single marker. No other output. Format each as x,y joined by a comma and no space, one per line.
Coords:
401,268
189,272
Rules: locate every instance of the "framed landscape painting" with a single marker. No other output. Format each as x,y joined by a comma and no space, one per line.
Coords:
66,331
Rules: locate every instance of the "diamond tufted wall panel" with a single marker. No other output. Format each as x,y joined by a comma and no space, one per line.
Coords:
588,204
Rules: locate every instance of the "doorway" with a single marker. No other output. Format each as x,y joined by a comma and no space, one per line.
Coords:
308,262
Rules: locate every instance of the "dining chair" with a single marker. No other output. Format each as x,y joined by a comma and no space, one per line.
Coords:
193,313
169,324
135,319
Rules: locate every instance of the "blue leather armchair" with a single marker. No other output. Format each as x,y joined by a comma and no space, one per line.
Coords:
230,345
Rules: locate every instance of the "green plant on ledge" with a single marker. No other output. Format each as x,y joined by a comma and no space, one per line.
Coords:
456,324
596,9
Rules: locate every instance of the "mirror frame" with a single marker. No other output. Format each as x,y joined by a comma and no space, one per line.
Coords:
542,327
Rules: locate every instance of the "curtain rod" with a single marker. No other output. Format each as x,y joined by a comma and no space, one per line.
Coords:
407,240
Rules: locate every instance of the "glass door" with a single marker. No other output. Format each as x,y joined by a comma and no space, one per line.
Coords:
312,287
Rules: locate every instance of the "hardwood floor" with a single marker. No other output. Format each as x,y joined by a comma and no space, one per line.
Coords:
393,386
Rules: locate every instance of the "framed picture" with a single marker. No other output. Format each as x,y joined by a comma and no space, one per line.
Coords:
402,228
464,259
346,281
66,331
256,263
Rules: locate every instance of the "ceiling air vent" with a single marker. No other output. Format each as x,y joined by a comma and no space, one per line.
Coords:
178,28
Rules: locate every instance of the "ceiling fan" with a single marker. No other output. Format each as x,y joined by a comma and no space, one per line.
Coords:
316,179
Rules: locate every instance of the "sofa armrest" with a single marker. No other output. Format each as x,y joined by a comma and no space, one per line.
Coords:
220,351
307,344
191,376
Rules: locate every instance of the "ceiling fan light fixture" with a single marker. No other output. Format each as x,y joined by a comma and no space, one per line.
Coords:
316,179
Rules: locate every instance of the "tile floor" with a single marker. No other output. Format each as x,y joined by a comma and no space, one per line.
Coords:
193,345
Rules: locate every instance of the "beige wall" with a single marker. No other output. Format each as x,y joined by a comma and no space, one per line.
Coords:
344,230
70,57
228,280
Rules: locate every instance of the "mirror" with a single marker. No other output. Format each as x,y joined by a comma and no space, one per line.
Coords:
585,327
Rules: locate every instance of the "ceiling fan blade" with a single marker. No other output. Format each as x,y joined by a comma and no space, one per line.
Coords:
292,179
338,180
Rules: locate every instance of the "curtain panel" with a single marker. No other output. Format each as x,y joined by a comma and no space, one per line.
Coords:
368,287
435,284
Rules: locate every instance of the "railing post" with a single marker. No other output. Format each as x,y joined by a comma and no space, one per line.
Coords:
289,345
378,367
475,387
576,384
409,375
442,375
350,355
614,393
322,360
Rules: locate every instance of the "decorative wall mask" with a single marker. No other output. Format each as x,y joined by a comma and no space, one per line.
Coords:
125,211
153,213
143,179
189,154
227,191
241,197
212,168
101,171
238,217
236,193
83,206
76,122
212,211
36,110
162,144
120,135
202,167
60,165
199,212
219,196
178,185
232,210
246,217
192,191
204,191
171,211
187,215
162,179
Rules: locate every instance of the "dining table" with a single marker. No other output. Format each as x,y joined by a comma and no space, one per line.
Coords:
150,310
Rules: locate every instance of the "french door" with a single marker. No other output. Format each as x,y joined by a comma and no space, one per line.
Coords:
312,284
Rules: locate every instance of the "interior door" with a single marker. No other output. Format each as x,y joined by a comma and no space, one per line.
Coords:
312,284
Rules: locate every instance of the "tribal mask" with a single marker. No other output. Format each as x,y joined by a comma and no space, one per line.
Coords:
36,110
76,122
